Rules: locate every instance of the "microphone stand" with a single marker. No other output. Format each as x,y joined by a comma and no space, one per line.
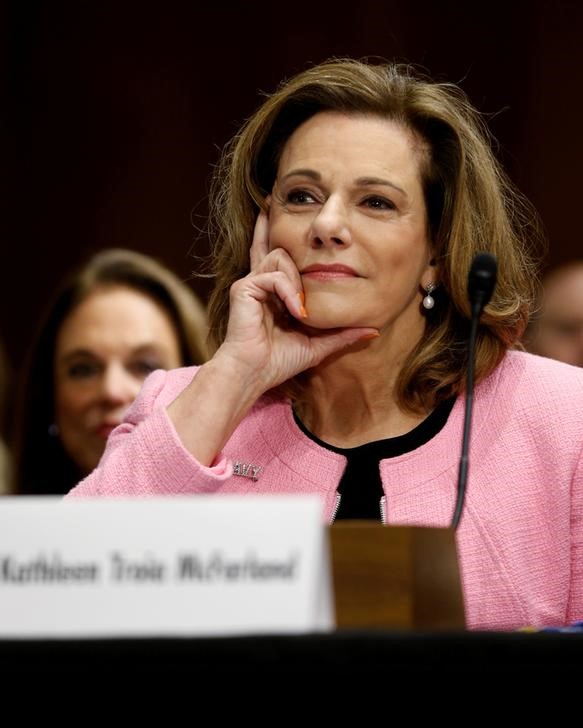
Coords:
464,460
481,283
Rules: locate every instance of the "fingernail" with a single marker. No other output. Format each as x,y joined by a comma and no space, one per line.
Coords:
303,312
366,337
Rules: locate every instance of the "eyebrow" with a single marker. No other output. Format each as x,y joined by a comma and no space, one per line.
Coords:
361,181
364,181
303,173
149,348
75,353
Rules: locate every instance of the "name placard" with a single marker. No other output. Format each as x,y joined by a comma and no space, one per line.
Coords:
177,566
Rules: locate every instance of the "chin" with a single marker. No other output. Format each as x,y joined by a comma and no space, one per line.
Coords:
334,311
329,320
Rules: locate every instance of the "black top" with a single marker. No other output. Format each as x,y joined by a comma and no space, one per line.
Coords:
360,487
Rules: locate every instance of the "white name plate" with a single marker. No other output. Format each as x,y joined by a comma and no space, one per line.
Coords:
185,565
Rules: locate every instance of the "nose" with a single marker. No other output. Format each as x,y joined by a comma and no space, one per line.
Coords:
330,226
118,386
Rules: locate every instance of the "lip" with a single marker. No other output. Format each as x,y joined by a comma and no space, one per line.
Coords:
325,272
105,429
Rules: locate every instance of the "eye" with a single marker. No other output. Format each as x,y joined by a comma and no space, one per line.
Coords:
142,367
82,370
299,197
567,328
379,203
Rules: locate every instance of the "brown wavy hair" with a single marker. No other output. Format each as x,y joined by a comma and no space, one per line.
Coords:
471,206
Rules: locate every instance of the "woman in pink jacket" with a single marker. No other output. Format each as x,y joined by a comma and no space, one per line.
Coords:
345,217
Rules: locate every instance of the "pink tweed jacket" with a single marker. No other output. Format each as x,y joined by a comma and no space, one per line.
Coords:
520,541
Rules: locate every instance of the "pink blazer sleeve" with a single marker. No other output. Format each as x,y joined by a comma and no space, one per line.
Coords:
144,455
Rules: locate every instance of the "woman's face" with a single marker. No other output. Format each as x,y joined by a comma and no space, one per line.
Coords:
104,350
348,207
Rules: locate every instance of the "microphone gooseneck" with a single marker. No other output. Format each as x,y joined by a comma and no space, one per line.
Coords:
481,284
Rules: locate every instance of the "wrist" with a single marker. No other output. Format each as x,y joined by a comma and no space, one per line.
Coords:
228,366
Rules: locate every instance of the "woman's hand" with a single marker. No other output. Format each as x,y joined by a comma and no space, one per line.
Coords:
264,346
263,337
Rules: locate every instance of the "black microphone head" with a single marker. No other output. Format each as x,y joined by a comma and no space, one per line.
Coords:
481,281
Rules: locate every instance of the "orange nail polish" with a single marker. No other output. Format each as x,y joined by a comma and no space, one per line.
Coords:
303,312
366,337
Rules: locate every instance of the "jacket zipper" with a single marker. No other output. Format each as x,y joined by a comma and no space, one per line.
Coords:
336,507
382,508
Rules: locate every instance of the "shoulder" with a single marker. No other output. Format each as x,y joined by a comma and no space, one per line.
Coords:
530,381
523,369
532,405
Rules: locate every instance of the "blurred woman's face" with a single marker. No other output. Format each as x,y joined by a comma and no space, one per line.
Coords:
348,207
104,350
559,328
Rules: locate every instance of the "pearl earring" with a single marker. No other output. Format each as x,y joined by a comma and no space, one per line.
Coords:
429,301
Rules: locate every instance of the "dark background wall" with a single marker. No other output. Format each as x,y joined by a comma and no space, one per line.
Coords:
113,113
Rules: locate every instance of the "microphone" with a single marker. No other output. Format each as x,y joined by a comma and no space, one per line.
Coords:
481,284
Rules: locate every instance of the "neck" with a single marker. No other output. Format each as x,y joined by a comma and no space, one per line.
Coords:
350,398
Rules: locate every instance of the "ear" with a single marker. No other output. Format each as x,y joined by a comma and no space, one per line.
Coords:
430,274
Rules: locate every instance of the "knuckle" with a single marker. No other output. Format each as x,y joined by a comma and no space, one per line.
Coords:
236,286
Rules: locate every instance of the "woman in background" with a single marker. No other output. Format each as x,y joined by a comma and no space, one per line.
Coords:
557,329
117,319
